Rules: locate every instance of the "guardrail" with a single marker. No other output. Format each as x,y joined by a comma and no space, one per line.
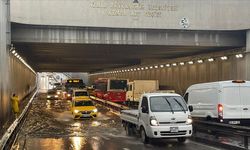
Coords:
218,129
10,134
112,105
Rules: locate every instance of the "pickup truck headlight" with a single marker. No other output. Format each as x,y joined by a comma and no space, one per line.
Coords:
153,121
189,120
56,96
76,111
48,96
94,110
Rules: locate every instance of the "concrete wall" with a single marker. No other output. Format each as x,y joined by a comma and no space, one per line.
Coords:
4,70
14,75
180,78
156,14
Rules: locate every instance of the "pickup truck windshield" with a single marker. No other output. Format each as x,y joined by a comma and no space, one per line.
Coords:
84,103
167,104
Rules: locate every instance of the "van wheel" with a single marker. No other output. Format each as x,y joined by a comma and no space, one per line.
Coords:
181,139
144,136
128,129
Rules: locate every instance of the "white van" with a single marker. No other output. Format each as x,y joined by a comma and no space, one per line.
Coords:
224,101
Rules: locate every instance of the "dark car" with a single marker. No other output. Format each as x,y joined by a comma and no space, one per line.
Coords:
52,95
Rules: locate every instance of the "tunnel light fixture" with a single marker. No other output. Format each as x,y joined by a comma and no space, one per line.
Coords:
134,69
190,62
239,55
167,65
156,66
200,61
211,59
138,69
182,63
13,52
151,67
161,66
131,69
146,68
174,64
142,68
223,58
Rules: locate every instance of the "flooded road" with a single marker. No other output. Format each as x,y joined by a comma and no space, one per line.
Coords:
50,126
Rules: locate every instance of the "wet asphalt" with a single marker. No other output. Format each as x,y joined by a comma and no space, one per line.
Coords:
50,126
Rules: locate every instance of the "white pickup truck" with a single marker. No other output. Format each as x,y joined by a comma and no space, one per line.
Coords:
159,115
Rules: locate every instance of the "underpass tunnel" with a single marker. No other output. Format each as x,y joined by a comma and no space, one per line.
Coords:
178,74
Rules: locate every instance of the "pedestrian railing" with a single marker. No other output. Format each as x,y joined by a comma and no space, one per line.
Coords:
10,134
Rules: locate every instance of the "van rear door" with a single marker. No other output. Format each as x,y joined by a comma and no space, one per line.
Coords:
232,102
245,98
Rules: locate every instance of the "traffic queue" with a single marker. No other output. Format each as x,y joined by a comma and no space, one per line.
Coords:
163,114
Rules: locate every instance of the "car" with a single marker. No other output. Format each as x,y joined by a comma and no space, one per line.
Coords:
222,101
80,94
52,95
83,108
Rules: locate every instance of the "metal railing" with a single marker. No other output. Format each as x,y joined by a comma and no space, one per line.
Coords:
10,134
114,106
218,129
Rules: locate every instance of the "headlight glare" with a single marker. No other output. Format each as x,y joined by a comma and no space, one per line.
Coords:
94,110
189,120
76,111
153,121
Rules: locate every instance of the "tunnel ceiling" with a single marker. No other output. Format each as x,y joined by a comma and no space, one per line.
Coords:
44,57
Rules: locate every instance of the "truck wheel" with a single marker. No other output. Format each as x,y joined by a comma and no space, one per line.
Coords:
128,130
144,136
181,139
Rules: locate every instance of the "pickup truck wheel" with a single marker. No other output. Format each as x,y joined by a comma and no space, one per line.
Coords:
181,139
128,130
144,136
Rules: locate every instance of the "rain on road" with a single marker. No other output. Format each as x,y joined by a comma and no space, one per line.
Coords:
50,126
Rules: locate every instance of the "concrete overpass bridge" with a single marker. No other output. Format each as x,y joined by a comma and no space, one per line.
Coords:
107,37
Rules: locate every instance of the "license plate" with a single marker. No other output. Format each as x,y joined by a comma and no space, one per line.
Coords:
234,122
174,129
86,115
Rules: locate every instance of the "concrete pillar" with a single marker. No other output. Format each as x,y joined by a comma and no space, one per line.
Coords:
247,56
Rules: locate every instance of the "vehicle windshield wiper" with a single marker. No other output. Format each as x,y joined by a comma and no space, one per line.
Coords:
180,104
169,105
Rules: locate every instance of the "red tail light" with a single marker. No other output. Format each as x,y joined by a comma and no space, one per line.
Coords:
220,111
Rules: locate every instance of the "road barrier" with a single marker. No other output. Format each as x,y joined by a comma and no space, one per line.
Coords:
114,106
218,129
10,134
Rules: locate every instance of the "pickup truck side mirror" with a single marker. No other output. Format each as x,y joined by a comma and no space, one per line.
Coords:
190,108
144,109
